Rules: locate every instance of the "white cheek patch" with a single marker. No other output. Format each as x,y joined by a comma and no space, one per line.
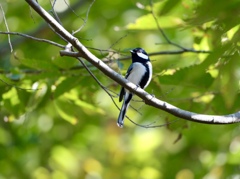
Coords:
142,56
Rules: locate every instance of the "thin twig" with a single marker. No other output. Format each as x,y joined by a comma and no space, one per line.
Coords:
54,12
151,124
84,20
161,30
71,8
98,82
34,38
5,22
94,77
118,40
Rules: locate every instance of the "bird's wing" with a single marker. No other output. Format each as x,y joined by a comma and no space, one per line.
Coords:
122,92
129,71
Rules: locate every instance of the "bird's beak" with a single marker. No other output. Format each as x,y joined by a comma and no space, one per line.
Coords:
131,51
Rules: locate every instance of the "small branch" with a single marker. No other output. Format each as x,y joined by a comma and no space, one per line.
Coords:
149,99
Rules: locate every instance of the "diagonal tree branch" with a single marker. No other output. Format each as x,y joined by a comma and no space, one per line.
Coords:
149,99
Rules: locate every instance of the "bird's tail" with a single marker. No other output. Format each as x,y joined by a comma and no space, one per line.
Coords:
123,110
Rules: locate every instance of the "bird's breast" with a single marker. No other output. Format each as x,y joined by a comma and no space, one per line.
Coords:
137,72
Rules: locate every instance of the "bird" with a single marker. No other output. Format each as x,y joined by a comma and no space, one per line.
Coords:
139,73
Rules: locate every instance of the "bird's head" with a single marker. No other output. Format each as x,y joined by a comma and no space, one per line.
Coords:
138,54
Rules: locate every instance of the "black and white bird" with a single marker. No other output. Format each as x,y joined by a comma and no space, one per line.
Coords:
139,73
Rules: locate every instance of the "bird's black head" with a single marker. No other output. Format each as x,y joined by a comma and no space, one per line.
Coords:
139,55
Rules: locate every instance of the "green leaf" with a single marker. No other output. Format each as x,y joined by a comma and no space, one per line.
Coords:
67,110
189,76
230,80
37,96
40,75
65,62
66,85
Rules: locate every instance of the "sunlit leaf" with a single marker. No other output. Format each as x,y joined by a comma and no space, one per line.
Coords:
38,64
12,103
67,110
147,22
66,85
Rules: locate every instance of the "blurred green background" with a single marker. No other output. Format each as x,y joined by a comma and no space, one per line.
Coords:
56,122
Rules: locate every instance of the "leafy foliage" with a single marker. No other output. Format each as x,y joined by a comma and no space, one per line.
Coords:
57,122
